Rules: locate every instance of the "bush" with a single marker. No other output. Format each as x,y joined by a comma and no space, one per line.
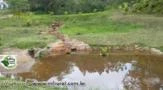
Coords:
18,6
70,6
144,6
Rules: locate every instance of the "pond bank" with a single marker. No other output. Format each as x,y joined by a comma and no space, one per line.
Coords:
26,61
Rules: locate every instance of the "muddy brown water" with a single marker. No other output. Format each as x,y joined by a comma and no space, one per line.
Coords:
120,70
117,71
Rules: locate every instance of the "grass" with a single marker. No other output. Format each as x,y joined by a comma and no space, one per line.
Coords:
11,84
101,28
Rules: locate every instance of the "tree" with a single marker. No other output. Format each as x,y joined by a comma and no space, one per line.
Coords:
68,6
18,5
146,6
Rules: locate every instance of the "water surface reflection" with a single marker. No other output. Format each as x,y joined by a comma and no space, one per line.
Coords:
115,72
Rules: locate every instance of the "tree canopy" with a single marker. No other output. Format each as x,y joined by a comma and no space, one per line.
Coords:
85,6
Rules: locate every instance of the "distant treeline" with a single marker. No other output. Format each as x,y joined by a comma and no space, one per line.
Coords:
58,6
85,6
143,6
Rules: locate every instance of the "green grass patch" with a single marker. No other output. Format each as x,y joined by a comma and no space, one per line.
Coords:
101,28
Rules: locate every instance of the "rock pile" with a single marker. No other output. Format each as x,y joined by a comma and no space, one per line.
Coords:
69,46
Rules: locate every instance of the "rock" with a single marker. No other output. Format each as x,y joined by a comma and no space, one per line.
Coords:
68,46
132,83
78,45
33,51
41,53
152,81
156,51
151,50
58,48
146,49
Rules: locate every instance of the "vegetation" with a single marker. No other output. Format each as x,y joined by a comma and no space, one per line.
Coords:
104,51
58,6
143,6
102,28
12,84
97,22
85,6
17,6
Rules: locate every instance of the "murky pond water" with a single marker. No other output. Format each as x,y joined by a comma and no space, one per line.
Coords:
92,71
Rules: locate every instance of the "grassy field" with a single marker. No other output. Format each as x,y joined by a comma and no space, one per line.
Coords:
101,28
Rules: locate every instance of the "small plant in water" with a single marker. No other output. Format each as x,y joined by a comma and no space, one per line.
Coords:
104,51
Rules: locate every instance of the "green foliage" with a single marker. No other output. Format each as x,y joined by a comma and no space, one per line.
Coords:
67,6
124,7
144,6
100,28
104,51
84,6
17,6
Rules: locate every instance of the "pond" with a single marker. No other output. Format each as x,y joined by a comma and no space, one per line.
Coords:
117,71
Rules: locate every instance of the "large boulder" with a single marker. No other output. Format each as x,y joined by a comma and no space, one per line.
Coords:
58,48
78,45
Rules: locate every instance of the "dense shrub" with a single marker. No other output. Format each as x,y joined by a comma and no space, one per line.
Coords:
144,6
85,6
18,5
67,6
